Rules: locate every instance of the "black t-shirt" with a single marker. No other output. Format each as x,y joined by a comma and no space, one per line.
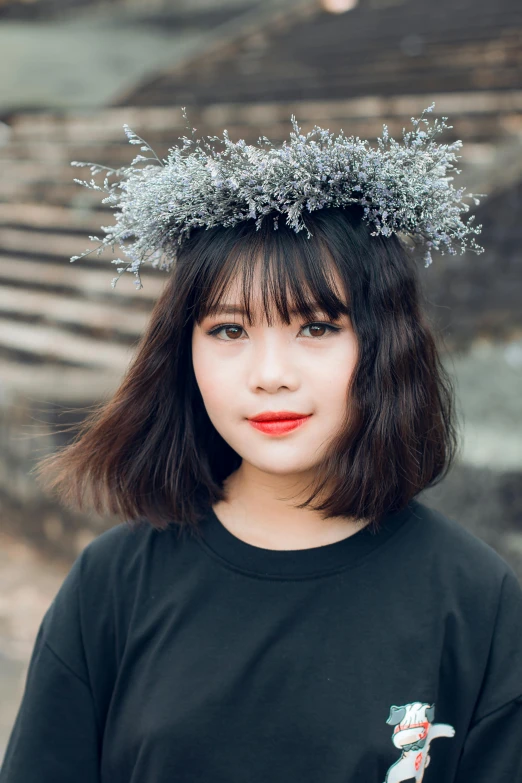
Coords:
381,658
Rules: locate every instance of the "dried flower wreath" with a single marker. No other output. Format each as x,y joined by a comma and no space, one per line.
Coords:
404,189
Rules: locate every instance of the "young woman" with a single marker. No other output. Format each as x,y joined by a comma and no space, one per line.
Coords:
276,604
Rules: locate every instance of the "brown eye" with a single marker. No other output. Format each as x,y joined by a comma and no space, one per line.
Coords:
323,329
233,331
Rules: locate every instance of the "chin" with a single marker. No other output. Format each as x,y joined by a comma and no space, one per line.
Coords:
282,468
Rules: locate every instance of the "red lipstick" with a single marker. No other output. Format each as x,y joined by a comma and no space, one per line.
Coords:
278,422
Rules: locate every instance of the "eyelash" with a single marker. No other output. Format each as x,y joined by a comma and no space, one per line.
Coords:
215,331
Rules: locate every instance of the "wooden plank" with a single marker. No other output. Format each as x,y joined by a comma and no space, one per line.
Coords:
98,126
81,280
22,240
69,310
119,153
56,344
59,383
48,244
30,170
60,193
52,216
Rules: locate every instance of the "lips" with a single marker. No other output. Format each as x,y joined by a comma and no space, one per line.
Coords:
278,416
270,426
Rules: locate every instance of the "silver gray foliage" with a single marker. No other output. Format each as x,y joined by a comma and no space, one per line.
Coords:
404,189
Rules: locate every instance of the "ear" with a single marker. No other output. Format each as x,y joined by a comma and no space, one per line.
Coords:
396,715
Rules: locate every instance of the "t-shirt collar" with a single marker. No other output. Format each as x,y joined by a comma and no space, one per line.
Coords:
308,562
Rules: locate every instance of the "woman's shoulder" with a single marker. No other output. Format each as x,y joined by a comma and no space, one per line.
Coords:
113,540
113,546
123,548
457,548
482,599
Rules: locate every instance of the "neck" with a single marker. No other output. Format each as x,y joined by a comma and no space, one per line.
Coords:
260,509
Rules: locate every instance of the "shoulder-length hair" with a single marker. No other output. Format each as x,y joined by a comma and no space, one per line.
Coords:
151,454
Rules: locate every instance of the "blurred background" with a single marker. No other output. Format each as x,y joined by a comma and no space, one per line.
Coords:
73,72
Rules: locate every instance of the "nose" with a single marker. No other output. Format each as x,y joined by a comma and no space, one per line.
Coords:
271,365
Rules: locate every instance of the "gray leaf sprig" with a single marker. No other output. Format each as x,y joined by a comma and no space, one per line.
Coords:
404,189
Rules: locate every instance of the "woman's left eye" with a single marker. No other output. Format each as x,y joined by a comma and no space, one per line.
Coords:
321,326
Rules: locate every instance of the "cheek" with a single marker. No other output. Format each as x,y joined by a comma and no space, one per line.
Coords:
330,391
332,383
215,385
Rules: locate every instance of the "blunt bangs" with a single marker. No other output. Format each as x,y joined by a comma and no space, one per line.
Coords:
296,274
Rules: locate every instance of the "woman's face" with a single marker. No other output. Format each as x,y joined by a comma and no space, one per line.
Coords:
243,371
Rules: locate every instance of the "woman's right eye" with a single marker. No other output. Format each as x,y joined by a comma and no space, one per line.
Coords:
214,332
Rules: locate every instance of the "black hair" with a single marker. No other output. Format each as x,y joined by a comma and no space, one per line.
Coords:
151,454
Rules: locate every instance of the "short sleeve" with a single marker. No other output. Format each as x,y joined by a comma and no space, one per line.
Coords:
502,682
55,737
493,747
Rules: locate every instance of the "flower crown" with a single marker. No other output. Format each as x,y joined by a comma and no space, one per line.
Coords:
403,188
